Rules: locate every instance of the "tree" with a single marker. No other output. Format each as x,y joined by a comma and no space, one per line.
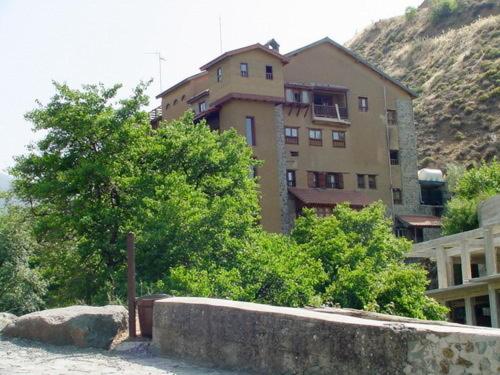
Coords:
441,9
363,262
471,188
21,286
100,171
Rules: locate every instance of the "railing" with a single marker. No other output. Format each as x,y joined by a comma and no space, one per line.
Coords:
269,75
155,114
329,111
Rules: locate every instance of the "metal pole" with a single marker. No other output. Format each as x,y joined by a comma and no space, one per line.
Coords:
131,284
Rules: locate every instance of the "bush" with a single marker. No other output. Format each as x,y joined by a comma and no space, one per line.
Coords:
410,13
441,9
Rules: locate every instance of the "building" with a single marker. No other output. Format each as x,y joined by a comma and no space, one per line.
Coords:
468,269
329,126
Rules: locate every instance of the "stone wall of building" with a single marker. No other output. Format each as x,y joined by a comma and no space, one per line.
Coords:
267,339
279,125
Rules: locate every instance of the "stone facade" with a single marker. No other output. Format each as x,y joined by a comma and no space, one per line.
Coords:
279,125
277,340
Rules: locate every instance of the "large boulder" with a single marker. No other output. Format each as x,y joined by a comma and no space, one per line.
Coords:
6,318
83,326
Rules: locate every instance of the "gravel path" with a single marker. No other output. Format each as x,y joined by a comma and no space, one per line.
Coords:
29,358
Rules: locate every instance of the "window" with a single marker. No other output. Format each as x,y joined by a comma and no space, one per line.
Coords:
291,136
315,179
183,97
219,74
175,102
372,181
250,130
334,180
363,103
397,196
338,138
323,211
269,72
244,69
394,156
290,178
361,181
315,138
202,106
294,153
253,171
392,117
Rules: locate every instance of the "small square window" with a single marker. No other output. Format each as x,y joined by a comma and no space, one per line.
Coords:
338,138
334,180
202,107
294,153
372,181
394,156
290,178
291,135
392,118
397,196
361,181
244,69
269,72
363,103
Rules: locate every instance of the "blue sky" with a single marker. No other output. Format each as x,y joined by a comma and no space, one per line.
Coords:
91,41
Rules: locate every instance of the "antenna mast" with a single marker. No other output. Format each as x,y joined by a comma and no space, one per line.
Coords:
160,59
220,33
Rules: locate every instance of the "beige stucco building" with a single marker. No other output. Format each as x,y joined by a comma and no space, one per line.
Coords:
329,126
468,269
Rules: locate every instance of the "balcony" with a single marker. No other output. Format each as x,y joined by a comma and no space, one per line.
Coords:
155,116
330,107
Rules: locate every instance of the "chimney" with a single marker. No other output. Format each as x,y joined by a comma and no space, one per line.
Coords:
273,44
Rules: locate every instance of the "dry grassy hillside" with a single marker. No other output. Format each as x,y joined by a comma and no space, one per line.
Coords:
454,64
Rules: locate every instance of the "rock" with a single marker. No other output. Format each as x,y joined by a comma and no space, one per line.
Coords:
6,318
83,326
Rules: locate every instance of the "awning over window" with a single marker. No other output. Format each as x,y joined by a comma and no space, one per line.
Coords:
329,197
421,221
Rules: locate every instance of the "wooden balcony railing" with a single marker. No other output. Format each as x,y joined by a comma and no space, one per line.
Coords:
155,115
329,111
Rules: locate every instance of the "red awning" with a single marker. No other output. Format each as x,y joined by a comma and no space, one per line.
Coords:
329,197
421,221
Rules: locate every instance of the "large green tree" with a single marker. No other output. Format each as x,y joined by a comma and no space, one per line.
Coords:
470,189
363,262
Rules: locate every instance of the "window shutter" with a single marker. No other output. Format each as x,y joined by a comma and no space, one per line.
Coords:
310,179
322,180
340,178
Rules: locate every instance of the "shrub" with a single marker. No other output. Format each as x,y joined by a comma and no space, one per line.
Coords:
410,13
441,9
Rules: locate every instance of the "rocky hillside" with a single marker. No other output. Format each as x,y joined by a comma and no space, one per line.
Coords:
449,53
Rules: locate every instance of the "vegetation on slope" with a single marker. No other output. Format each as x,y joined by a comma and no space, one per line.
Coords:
449,52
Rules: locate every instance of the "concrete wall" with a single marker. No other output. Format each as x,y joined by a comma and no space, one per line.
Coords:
276,340
489,211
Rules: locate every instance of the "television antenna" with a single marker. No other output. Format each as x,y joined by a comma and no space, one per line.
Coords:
160,59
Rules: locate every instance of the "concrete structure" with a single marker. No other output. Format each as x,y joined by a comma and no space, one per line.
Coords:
468,269
277,340
329,126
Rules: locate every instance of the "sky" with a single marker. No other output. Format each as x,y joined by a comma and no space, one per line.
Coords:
109,41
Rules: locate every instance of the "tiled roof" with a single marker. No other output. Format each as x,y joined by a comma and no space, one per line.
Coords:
330,197
422,221
283,59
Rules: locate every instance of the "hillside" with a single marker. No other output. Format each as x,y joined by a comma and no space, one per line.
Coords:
452,60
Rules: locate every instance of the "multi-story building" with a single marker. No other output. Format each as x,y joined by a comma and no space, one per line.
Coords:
468,269
329,126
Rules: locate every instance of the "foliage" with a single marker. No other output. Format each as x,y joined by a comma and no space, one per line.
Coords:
101,171
270,269
441,9
473,187
363,261
21,286
410,13
453,174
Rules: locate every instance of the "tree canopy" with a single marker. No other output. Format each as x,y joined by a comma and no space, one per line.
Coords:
471,188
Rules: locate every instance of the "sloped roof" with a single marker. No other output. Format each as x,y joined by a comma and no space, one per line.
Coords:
422,221
357,58
179,84
330,197
259,46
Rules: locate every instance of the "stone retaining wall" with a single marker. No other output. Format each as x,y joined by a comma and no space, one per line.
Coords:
277,340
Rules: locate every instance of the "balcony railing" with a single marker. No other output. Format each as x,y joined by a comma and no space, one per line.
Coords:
328,111
155,115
